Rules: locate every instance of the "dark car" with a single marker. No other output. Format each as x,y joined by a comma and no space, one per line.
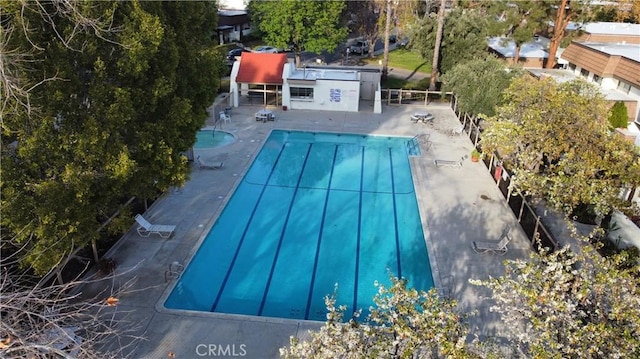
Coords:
231,55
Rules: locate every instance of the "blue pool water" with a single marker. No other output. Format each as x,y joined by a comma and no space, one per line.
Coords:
313,210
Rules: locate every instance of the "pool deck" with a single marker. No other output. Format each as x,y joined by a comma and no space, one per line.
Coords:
457,205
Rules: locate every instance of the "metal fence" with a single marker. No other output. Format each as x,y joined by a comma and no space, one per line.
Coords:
531,223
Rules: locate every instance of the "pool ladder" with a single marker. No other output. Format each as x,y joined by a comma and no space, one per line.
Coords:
413,145
174,271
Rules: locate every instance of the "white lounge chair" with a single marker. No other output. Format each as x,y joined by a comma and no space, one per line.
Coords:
145,228
448,163
208,166
498,247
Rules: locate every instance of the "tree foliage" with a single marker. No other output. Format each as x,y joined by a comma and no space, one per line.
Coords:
556,140
618,116
567,305
464,37
110,120
405,323
300,25
518,20
479,84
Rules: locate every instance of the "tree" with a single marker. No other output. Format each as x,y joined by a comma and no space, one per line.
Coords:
436,47
520,20
41,320
568,305
405,323
301,25
464,37
110,121
565,11
618,116
556,140
479,84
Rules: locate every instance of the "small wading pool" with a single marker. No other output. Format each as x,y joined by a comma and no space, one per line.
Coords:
212,139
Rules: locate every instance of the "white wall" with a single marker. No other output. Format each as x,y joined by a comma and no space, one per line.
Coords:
328,95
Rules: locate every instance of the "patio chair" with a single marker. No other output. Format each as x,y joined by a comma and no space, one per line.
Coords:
498,247
208,166
145,228
448,163
224,117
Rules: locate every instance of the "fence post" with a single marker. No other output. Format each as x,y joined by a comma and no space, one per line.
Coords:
521,207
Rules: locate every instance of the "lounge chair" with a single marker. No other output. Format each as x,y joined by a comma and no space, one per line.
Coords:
498,247
448,163
145,228
208,166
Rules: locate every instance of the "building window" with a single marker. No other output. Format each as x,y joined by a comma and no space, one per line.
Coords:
597,79
572,67
584,73
624,87
301,92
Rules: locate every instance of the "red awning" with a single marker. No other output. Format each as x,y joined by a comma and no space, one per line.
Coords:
259,68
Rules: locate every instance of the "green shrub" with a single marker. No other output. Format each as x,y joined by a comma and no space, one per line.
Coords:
618,116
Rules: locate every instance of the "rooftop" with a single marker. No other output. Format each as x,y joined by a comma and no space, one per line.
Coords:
561,75
323,74
607,28
630,51
533,49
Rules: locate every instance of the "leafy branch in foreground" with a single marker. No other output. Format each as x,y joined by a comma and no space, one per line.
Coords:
405,323
570,305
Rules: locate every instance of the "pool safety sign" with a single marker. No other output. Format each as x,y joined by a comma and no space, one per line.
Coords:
335,95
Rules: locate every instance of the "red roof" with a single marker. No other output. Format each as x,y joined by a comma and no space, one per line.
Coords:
260,68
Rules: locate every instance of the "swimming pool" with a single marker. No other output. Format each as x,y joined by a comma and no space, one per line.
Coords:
212,139
313,210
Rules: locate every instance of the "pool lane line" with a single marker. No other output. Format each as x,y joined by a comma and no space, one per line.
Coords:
284,229
246,229
324,216
355,284
395,213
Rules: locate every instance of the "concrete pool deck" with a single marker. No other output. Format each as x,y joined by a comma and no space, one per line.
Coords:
457,205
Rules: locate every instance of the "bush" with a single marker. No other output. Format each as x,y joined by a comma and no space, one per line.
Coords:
618,116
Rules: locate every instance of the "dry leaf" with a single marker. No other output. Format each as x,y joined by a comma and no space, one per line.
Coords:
112,301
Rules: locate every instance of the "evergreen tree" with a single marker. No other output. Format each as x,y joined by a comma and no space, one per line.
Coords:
112,119
618,116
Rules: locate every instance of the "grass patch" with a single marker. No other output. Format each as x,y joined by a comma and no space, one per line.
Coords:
404,59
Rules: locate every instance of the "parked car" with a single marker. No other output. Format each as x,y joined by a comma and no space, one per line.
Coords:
233,54
266,49
359,47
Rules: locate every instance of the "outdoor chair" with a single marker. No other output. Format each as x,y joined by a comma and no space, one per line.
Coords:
498,247
145,228
224,117
448,163
208,166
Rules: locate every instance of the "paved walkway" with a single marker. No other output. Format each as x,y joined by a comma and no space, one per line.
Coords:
457,206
